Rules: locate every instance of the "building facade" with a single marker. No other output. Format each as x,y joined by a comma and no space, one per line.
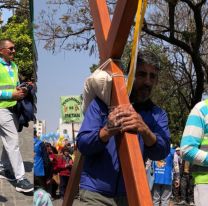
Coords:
40,127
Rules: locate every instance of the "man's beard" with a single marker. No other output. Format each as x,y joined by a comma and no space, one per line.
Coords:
137,96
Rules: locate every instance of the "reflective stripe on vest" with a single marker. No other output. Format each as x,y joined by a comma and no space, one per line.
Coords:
8,84
7,87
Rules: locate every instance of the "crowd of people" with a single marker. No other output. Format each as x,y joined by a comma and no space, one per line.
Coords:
52,169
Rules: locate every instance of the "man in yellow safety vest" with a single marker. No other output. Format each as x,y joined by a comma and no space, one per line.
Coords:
11,165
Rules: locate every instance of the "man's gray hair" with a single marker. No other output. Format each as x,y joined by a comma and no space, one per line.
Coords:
149,57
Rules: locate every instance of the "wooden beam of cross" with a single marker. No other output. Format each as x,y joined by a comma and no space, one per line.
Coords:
111,39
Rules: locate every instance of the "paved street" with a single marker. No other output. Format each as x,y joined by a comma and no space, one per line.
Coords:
8,194
57,202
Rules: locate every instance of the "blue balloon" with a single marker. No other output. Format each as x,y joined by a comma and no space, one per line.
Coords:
43,136
56,136
50,134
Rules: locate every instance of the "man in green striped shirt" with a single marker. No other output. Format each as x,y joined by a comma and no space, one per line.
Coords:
194,148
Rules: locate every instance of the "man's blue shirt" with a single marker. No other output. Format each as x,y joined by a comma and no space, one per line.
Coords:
101,172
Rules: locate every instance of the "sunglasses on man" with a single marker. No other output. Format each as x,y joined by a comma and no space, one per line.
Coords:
10,48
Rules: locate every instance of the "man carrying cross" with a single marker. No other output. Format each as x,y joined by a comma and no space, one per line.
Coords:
101,179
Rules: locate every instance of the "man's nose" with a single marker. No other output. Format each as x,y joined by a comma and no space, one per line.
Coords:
148,80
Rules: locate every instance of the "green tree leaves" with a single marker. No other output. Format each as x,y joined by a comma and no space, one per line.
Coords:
18,29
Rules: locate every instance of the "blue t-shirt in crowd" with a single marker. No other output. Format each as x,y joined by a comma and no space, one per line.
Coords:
163,169
38,158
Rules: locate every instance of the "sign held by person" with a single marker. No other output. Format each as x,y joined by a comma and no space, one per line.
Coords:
71,109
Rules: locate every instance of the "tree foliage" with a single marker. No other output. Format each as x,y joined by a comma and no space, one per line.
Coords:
18,29
14,4
70,29
181,28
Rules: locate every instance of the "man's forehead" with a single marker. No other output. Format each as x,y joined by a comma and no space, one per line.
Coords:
9,43
6,44
146,68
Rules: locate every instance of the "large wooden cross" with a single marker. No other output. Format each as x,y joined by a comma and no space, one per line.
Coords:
111,39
